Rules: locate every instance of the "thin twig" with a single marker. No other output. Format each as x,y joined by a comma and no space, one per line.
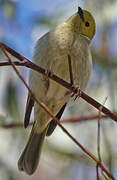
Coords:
98,143
70,70
50,113
13,125
97,172
72,119
77,119
67,85
109,148
98,138
23,63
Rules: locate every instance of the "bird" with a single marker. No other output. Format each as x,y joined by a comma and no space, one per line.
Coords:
69,39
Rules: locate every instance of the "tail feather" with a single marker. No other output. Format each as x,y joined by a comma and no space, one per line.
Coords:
30,157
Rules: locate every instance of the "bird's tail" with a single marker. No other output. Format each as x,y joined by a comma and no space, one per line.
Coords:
30,157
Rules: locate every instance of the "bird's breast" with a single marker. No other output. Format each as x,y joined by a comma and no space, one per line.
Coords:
81,64
56,60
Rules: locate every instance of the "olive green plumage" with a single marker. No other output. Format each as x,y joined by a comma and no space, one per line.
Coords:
51,52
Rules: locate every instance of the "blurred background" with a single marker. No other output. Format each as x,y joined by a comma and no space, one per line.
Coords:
21,24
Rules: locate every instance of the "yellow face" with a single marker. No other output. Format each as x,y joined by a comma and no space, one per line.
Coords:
87,26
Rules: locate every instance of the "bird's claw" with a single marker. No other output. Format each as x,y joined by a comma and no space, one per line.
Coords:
76,93
48,73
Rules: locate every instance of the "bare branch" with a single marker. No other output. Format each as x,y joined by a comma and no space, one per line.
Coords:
98,143
23,63
13,125
50,113
77,119
73,119
70,70
67,85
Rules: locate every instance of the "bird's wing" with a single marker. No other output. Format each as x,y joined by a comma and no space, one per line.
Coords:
29,105
53,124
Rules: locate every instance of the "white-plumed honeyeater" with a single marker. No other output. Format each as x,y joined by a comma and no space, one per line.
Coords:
72,38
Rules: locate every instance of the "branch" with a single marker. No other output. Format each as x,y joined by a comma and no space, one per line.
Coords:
51,114
73,119
70,70
67,85
98,143
77,119
13,125
23,63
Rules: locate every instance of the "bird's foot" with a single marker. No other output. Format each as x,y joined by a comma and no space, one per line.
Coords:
48,73
76,93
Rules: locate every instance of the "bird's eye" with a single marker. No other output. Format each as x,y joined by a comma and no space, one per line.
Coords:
87,24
